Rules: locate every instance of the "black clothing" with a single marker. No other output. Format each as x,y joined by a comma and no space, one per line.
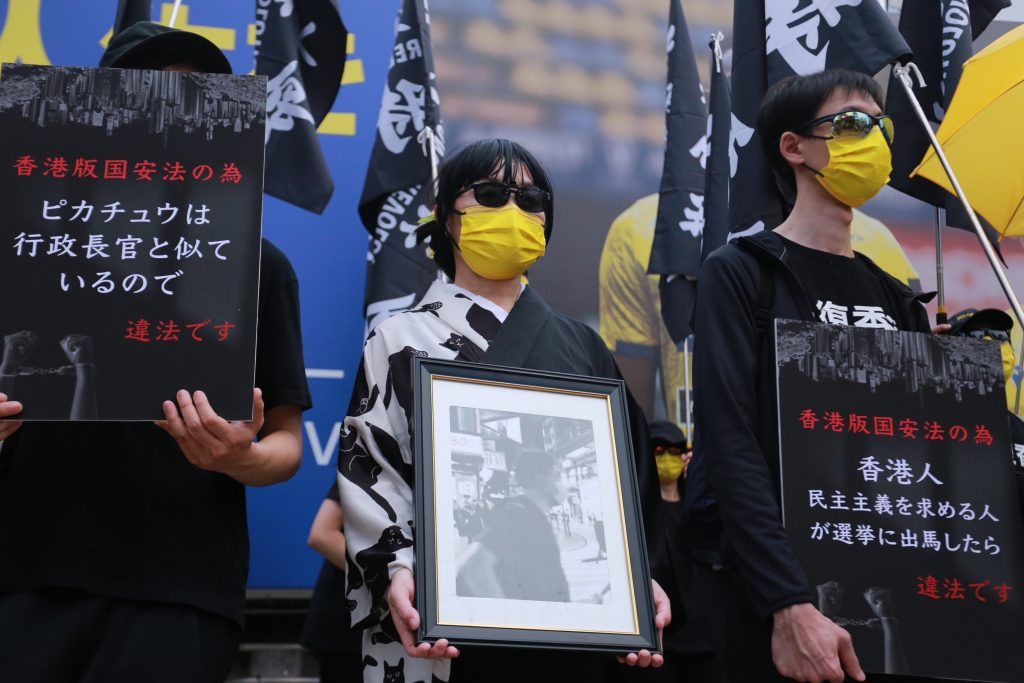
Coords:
328,629
743,287
536,337
536,575
738,636
533,336
114,508
842,290
60,635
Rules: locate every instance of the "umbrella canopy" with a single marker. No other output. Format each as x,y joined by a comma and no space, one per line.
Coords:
981,135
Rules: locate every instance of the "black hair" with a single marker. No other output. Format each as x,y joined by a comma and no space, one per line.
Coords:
477,161
794,101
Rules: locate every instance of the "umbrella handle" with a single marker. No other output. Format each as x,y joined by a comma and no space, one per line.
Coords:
902,72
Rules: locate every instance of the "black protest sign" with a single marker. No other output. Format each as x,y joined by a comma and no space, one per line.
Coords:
131,240
898,496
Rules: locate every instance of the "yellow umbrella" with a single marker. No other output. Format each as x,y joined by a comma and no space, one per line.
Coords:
981,135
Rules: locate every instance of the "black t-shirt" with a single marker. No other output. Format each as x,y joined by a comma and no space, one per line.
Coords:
842,290
115,509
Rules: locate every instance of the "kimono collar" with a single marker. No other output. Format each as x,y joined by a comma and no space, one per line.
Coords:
499,312
521,331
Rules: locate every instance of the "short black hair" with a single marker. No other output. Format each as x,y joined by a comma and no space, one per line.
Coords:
794,101
474,162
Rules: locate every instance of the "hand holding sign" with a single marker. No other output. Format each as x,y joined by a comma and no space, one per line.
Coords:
807,646
17,349
8,409
208,440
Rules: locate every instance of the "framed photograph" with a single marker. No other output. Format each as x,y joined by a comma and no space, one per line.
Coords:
528,523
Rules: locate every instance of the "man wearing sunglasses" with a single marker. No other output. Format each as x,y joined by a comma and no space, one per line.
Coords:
830,149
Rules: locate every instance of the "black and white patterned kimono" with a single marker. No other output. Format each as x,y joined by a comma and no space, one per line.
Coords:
375,467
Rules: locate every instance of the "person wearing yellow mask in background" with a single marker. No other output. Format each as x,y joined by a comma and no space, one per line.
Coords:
493,218
630,306
990,324
688,655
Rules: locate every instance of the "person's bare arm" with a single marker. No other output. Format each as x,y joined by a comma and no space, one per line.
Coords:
212,443
326,535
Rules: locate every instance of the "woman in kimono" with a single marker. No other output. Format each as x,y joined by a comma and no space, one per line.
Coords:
492,221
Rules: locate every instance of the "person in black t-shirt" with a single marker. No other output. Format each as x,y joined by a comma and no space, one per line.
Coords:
829,145
124,549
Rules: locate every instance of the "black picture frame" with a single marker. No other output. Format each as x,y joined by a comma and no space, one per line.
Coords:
576,624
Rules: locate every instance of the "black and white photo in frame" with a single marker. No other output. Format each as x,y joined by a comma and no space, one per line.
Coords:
528,525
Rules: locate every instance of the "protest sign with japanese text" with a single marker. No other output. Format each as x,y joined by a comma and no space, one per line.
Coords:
898,496
130,255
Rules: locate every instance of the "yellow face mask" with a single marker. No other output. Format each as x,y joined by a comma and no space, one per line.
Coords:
502,243
858,167
670,467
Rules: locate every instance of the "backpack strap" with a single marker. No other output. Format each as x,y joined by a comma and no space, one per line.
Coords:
764,318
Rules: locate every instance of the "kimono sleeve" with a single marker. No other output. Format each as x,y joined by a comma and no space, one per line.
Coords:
375,481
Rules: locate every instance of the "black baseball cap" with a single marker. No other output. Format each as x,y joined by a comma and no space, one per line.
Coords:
985,319
665,433
146,45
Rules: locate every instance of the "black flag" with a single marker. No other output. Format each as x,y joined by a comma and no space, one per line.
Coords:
675,253
775,39
130,12
983,12
398,188
680,224
940,32
300,48
721,157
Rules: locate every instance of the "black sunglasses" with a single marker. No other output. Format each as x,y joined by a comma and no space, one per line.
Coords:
997,335
493,194
852,124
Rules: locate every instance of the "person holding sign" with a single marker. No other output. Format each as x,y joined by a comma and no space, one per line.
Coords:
830,146
493,219
123,545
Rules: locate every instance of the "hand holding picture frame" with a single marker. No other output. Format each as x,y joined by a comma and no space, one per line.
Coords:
528,522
